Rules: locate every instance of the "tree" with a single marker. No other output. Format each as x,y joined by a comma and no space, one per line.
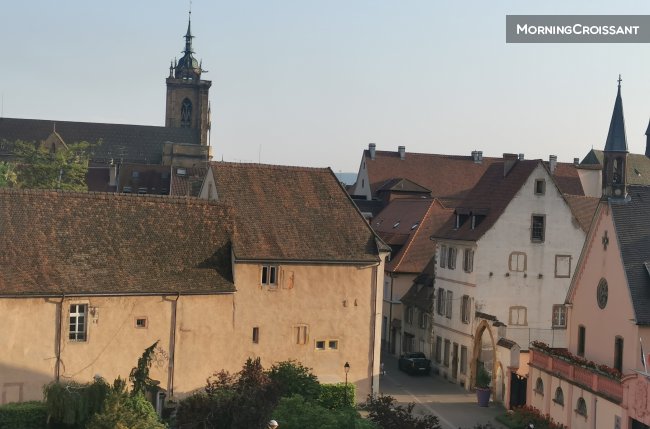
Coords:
8,176
382,410
140,374
41,168
296,413
292,378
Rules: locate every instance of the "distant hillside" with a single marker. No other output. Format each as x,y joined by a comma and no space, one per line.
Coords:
347,178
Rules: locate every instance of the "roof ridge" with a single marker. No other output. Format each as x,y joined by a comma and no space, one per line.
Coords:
268,166
58,122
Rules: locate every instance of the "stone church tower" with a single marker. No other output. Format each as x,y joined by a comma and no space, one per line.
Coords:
187,94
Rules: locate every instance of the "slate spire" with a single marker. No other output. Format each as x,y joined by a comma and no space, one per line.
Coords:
188,67
616,141
647,141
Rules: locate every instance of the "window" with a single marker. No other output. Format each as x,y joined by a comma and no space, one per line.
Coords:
468,260
409,315
141,322
518,316
559,316
320,345
581,340
327,344
440,307
78,325
581,407
539,386
463,360
465,309
438,349
186,113
537,228
443,256
540,186
563,266
451,258
450,303
447,349
559,396
618,354
256,335
333,344
270,275
423,319
301,334
517,261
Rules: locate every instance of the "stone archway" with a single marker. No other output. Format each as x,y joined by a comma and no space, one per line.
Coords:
484,351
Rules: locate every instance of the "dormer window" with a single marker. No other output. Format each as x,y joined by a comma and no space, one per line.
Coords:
462,215
396,224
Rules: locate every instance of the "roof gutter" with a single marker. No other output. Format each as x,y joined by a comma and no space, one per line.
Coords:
108,294
308,261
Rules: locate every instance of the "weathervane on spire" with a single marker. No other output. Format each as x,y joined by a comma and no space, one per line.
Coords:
619,78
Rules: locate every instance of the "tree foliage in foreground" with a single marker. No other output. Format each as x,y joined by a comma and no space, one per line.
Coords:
387,414
8,176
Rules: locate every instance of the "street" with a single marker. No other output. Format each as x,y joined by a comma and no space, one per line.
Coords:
453,405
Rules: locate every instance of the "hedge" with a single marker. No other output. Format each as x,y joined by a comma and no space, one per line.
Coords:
24,415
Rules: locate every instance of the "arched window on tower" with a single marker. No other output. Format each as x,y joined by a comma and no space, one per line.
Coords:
617,170
186,113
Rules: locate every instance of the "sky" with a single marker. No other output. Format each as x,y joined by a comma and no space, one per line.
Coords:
312,82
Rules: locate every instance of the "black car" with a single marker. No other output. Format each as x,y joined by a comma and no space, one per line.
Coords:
414,363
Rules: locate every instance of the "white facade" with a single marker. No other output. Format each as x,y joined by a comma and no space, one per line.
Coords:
514,283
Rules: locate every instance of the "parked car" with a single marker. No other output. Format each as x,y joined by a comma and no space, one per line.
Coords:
414,363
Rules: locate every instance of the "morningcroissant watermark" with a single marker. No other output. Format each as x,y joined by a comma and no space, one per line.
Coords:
577,28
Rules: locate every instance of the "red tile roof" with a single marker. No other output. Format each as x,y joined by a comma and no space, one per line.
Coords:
583,209
293,213
97,243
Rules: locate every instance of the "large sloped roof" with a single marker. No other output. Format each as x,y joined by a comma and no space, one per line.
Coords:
142,144
57,243
293,214
632,223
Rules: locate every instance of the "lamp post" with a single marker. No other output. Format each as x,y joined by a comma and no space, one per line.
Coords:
346,368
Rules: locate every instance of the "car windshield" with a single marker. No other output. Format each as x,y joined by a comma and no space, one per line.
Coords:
416,355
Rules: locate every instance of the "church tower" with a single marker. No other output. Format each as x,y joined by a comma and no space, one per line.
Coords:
187,94
615,153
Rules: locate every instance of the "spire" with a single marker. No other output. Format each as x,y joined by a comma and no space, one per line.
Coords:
647,141
616,141
188,35
188,67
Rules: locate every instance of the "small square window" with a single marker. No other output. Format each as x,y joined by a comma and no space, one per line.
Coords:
320,345
333,344
256,335
141,322
540,186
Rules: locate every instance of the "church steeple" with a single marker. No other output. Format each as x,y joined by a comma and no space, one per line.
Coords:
188,67
615,153
647,141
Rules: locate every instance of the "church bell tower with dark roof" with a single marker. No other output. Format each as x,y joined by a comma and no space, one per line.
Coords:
615,153
187,95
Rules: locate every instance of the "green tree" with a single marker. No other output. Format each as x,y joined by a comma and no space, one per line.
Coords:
40,168
296,413
293,378
8,176
140,374
386,414
123,411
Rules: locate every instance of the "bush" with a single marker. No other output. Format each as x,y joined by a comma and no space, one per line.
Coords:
73,404
292,378
521,417
297,413
383,411
24,415
335,396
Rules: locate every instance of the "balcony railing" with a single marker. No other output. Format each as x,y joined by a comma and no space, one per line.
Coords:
588,378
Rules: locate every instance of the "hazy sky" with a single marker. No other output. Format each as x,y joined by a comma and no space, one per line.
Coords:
312,82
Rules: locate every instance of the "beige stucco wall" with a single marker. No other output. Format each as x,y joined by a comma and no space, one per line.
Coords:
395,286
212,332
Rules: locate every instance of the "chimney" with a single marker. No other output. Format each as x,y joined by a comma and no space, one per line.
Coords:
371,149
402,152
576,161
477,156
521,157
509,161
480,155
552,163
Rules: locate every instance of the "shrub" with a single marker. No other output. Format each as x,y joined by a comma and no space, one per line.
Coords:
297,413
73,404
383,411
292,378
337,396
24,415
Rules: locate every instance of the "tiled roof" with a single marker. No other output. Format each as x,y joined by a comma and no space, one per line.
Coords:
638,166
567,179
399,219
414,256
140,144
144,179
187,184
420,294
632,223
445,175
583,209
403,185
294,214
95,243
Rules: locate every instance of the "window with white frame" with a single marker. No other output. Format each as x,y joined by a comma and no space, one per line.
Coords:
326,344
78,322
518,316
440,303
517,261
443,256
269,275
465,309
559,316
450,303
468,260
451,258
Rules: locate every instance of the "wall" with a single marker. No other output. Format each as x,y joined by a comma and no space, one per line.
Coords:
392,308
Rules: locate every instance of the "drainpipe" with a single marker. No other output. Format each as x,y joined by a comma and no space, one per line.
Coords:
375,285
172,348
59,337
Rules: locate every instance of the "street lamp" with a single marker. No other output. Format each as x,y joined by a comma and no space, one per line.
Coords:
346,367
